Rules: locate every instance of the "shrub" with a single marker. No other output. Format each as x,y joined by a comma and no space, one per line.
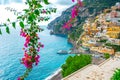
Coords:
106,55
115,47
116,75
74,63
103,40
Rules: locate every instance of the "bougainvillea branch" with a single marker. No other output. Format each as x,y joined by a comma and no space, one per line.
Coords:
74,14
32,45
28,20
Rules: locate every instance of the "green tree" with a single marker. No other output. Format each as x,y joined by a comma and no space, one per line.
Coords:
74,63
118,36
116,75
106,55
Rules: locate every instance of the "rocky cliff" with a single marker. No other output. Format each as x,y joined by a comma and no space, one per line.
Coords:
91,8
56,25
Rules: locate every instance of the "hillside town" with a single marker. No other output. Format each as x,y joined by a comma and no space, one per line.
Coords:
102,34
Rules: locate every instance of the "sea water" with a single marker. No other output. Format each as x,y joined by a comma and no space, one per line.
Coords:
11,52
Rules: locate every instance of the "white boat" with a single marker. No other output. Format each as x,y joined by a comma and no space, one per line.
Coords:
62,52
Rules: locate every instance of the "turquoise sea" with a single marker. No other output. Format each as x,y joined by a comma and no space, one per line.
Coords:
11,52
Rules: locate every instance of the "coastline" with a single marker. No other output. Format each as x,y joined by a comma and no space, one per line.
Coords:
56,75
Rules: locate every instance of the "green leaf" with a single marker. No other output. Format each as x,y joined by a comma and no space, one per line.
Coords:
31,17
14,24
39,6
0,32
46,2
21,24
4,24
35,2
19,17
37,12
23,18
26,10
48,12
8,20
55,10
7,30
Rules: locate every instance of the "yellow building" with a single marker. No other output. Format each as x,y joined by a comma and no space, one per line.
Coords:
114,28
85,38
94,28
88,44
113,32
103,50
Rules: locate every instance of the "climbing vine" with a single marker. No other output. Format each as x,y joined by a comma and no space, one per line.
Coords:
28,20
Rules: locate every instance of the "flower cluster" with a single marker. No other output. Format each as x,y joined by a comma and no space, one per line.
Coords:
37,59
27,60
68,25
31,49
73,0
79,2
74,14
27,40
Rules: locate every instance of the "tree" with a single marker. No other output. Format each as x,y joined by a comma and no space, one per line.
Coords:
116,75
118,36
74,63
106,55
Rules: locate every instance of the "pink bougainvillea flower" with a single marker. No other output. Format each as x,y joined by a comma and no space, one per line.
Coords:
25,45
37,59
22,33
67,26
38,50
39,43
19,78
44,11
28,64
80,3
74,12
42,46
27,61
27,41
73,0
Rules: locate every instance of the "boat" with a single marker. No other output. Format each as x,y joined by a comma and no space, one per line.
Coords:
62,52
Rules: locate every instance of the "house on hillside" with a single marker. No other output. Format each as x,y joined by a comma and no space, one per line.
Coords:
103,50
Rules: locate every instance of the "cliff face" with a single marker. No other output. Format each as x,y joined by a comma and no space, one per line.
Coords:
91,9
56,25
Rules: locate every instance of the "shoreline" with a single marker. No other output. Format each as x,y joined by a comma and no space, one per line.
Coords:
56,75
